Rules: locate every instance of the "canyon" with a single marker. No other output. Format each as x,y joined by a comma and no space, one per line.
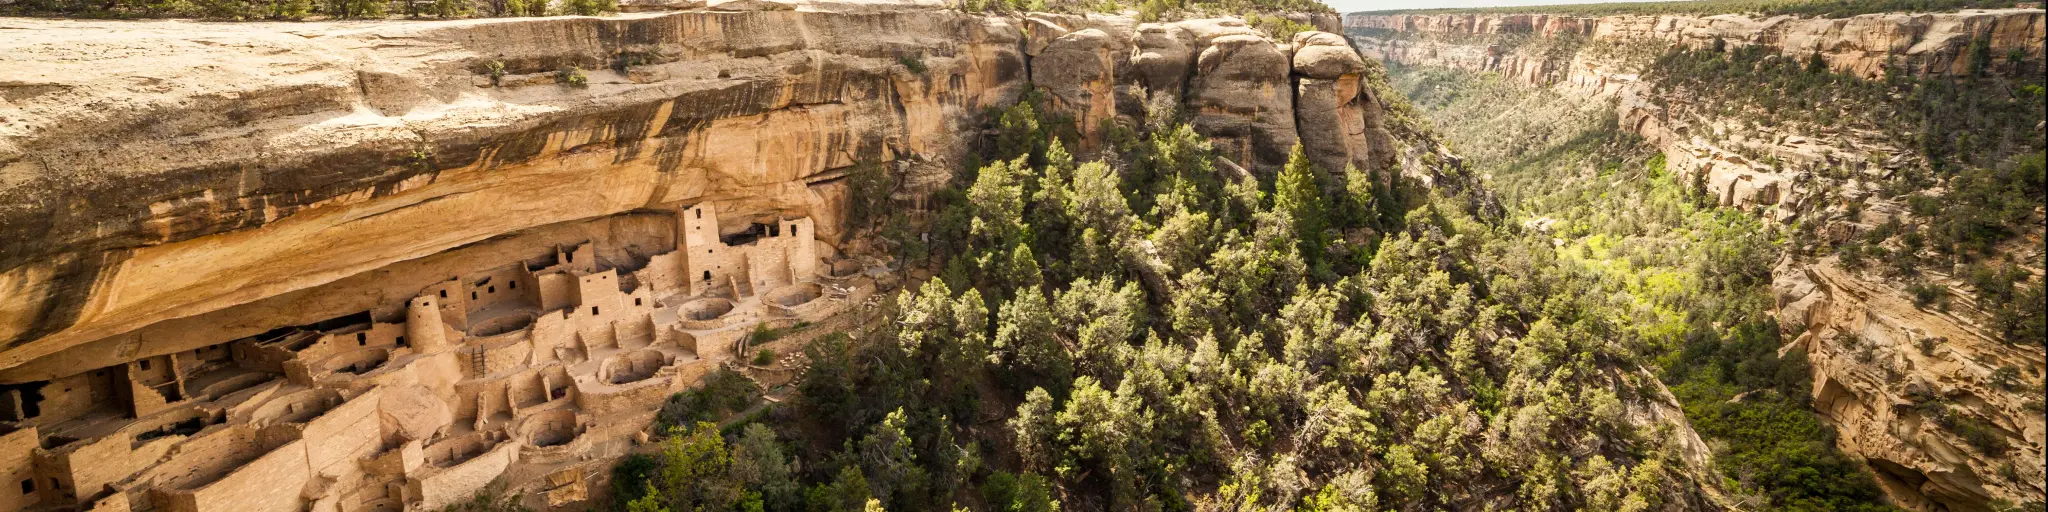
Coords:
950,250
377,265
1876,354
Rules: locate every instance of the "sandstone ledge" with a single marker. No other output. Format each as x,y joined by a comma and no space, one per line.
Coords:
1922,44
152,173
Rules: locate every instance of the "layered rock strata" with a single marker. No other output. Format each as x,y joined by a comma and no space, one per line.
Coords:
1878,361
1864,45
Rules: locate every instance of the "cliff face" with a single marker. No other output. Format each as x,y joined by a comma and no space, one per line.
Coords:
165,170
1878,360
358,263
1922,44
161,170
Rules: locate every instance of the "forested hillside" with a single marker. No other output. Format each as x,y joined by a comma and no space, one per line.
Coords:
1534,311
1765,209
1145,330
1694,278
1141,329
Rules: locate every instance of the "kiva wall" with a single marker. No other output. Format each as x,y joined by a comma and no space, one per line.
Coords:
269,484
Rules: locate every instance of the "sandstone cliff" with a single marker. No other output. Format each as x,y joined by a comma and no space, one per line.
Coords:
1879,361
1930,43
155,171
241,258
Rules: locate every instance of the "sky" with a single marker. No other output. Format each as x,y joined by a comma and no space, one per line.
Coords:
1377,5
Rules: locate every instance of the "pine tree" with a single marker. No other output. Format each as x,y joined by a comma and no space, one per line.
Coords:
449,8
1299,194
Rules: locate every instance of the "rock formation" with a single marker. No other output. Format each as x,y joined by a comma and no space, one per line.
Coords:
1882,370
1875,359
1922,44
1328,94
374,265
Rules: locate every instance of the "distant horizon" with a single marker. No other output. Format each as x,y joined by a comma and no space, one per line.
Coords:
1351,6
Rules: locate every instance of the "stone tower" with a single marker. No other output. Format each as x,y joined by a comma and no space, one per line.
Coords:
423,325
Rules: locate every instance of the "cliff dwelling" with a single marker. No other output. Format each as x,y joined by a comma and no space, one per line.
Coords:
534,367
861,255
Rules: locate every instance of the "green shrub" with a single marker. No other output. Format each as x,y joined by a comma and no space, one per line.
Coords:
589,7
496,70
723,393
572,77
1979,436
525,8
1280,29
763,333
1980,56
914,63
1011,492
421,158
1924,294
1986,206
626,60
355,8
1152,10
225,9
630,477
1786,451
449,8
2007,378
764,357
2024,320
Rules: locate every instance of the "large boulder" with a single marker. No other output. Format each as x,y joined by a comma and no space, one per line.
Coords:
1038,33
1243,101
1325,55
1160,56
1328,103
1078,71
1332,124
1382,151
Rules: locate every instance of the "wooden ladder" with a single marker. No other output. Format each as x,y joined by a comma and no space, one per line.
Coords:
476,361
